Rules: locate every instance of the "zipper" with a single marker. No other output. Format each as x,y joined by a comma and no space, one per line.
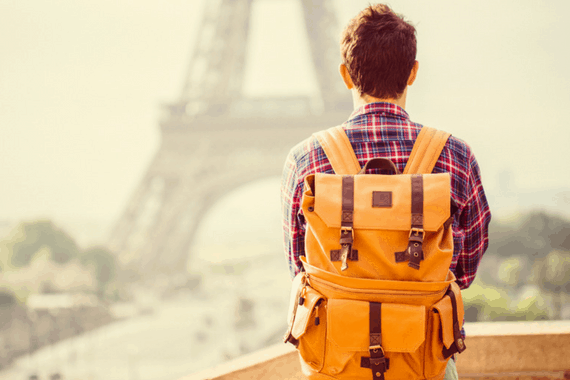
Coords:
334,286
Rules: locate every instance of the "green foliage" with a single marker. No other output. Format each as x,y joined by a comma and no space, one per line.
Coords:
552,276
531,306
534,238
43,241
510,271
556,271
30,237
530,261
490,303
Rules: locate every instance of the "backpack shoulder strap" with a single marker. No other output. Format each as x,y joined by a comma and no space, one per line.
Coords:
338,149
426,151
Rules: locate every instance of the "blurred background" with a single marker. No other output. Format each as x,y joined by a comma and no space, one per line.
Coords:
142,144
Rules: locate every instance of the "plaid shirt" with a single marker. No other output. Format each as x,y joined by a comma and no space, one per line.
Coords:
385,130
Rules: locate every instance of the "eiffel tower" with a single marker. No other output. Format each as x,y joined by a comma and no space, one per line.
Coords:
214,138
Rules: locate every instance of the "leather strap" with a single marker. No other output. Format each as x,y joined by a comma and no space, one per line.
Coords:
417,201
338,149
458,345
337,256
377,362
416,239
375,324
414,253
426,151
347,201
346,232
379,163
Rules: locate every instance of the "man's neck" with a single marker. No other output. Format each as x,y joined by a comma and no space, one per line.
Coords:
359,101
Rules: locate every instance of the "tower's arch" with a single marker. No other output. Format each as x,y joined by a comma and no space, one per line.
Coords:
214,138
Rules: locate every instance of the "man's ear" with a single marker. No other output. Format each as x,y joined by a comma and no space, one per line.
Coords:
345,76
413,73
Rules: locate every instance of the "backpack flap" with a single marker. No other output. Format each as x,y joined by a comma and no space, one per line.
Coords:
296,288
307,302
384,202
380,225
445,312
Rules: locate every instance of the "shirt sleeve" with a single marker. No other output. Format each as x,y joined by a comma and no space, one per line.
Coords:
293,219
472,227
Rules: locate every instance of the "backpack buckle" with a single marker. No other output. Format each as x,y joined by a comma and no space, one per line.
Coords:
346,240
417,232
345,230
376,348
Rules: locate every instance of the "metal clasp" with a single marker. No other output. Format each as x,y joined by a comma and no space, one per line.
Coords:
417,231
376,348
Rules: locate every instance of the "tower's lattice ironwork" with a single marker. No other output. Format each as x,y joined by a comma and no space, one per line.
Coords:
215,139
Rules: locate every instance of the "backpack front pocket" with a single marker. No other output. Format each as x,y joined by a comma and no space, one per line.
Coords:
350,342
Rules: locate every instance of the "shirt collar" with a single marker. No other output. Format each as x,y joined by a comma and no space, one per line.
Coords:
386,109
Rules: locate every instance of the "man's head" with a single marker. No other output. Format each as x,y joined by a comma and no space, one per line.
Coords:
378,49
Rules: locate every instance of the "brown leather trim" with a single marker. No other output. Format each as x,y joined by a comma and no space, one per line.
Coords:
459,270
415,242
405,256
381,199
453,210
458,345
377,362
380,163
375,323
365,362
336,255
346,220
289,339
402,256
346,237
375,339
347,200
417,201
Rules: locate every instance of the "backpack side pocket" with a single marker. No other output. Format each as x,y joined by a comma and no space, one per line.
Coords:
444,339
308,325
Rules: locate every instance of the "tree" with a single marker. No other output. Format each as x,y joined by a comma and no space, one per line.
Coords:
29,237
552,274
510,271
485,303
531,305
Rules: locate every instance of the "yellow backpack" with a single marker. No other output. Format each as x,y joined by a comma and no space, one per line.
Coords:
376,299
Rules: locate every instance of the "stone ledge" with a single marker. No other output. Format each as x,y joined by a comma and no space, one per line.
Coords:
499,347
495,350
517,376
278,362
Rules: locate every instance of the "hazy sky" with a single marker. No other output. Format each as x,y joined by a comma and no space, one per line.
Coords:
81,83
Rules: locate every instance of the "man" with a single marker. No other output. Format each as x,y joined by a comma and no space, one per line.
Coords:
378,49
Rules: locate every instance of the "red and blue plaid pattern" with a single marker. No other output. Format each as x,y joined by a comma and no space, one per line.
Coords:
385,130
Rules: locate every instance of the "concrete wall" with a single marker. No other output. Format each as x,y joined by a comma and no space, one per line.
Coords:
495,350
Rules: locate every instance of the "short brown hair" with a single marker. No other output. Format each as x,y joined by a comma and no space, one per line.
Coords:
378,47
